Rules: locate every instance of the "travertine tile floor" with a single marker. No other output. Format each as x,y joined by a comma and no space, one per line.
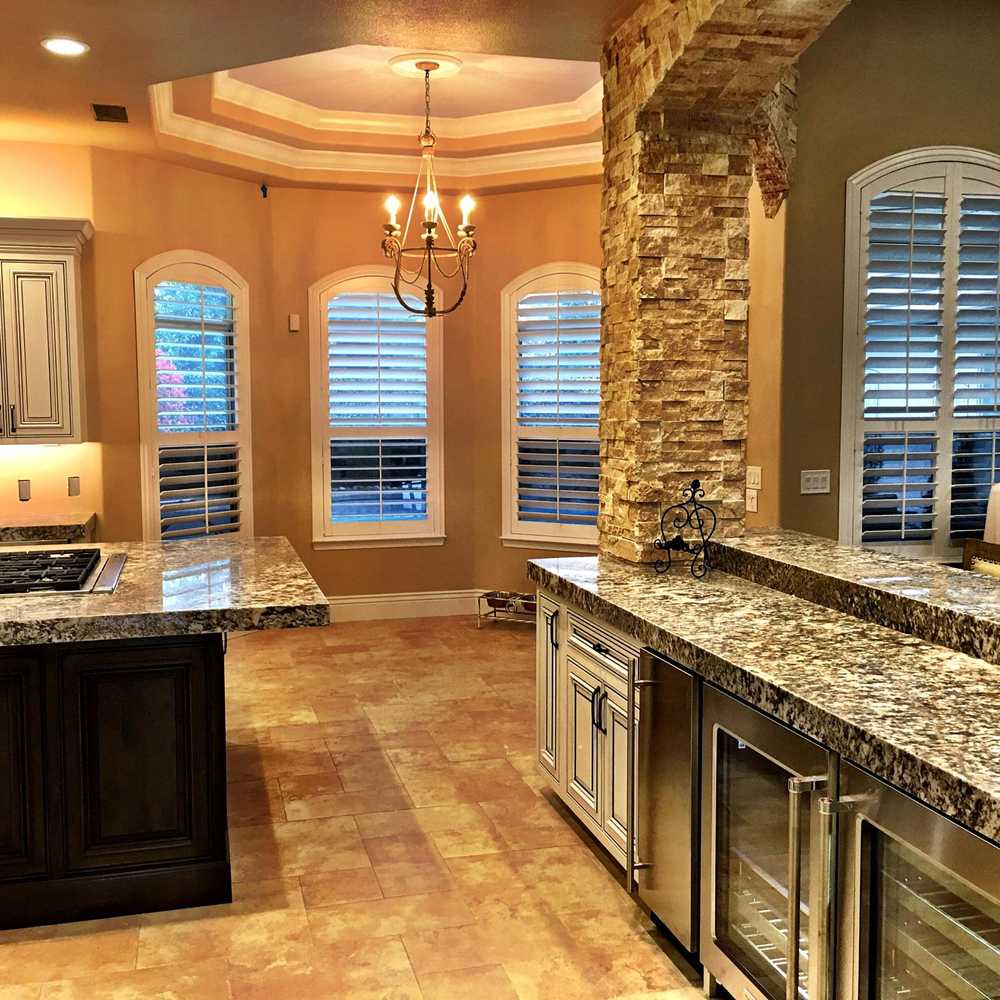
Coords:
390,841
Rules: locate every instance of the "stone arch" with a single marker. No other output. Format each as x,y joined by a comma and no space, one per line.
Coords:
696,92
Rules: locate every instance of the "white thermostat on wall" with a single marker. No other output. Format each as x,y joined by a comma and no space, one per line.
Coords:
814,481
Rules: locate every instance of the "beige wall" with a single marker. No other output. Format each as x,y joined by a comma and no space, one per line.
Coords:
888,75
141,207
767,264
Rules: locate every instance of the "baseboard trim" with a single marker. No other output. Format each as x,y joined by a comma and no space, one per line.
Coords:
420,604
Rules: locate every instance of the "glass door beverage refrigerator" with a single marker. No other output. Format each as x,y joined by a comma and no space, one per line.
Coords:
918,900
761,888
820,882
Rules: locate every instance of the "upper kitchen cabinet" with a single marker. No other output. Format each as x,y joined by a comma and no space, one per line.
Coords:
42,381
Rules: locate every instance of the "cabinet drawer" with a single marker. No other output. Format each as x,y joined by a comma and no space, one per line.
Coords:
601,645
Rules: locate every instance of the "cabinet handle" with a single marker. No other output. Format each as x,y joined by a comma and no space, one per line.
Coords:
13,418
796,788
600,712
599,647
595,698
553,619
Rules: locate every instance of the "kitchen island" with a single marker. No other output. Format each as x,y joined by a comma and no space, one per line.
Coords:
112,727
801,767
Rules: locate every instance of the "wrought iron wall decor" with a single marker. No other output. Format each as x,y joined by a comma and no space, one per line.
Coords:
688,515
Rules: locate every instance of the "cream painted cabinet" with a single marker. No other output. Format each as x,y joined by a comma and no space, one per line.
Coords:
583,675
549,689
42,384
584,739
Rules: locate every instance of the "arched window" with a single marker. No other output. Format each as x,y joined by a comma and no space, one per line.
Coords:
192,325
551,331
378,464
920,441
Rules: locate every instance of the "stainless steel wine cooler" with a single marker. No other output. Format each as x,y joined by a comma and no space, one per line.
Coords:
912,928
764,916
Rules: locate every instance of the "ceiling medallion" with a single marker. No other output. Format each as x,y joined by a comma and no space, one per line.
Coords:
416,264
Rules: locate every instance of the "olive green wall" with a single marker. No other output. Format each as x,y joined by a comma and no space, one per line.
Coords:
887,75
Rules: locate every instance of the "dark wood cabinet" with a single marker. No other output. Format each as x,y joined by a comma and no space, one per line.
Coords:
22,747
112,779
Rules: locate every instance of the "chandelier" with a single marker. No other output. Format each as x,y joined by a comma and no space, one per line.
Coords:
429,253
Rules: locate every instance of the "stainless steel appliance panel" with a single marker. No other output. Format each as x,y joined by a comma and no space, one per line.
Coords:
667,814
919,899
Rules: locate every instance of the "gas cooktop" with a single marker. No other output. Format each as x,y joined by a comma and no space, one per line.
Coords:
46,570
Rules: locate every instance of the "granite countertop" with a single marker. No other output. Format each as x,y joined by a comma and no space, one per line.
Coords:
179,588
943,604
46,527
922,717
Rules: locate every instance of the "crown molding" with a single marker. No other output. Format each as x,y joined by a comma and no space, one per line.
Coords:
219,137
253,98
45,234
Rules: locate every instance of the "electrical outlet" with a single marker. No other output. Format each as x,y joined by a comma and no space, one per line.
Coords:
751,501
24,489
753,477
814,481
73,486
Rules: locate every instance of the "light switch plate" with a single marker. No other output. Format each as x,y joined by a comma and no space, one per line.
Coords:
814,481
753,477
24,489
73,486
751,501
294,324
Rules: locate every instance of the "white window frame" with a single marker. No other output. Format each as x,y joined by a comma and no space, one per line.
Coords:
562,276
907,166
203,269
327,533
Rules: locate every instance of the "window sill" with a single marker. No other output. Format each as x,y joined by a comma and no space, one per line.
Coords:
398,542
555,545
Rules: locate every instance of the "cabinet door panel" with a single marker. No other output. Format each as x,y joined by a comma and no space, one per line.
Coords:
36,341
583,739
616,765
22,813
138,782
548,700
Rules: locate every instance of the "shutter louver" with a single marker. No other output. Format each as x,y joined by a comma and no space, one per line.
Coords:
977,324
899,486
374,479
195,347
975,467
199,490
557,480
377,362
904,292
558,362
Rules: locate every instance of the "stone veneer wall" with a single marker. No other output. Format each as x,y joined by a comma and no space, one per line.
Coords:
684,82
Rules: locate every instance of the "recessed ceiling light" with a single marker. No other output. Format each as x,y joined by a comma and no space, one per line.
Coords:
65,46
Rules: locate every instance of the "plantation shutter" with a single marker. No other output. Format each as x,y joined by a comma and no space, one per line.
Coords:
904,295
556,411
379,441
929,413
200,452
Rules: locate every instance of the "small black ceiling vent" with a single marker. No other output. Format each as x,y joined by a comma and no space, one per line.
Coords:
110,112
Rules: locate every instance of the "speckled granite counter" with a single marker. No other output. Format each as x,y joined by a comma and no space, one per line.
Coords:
47,528
939,603
181,588
922,717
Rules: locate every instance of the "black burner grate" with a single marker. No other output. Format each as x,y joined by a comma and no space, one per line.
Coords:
45,569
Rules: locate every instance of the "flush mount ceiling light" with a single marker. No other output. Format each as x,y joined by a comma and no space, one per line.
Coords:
417,264
61,46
